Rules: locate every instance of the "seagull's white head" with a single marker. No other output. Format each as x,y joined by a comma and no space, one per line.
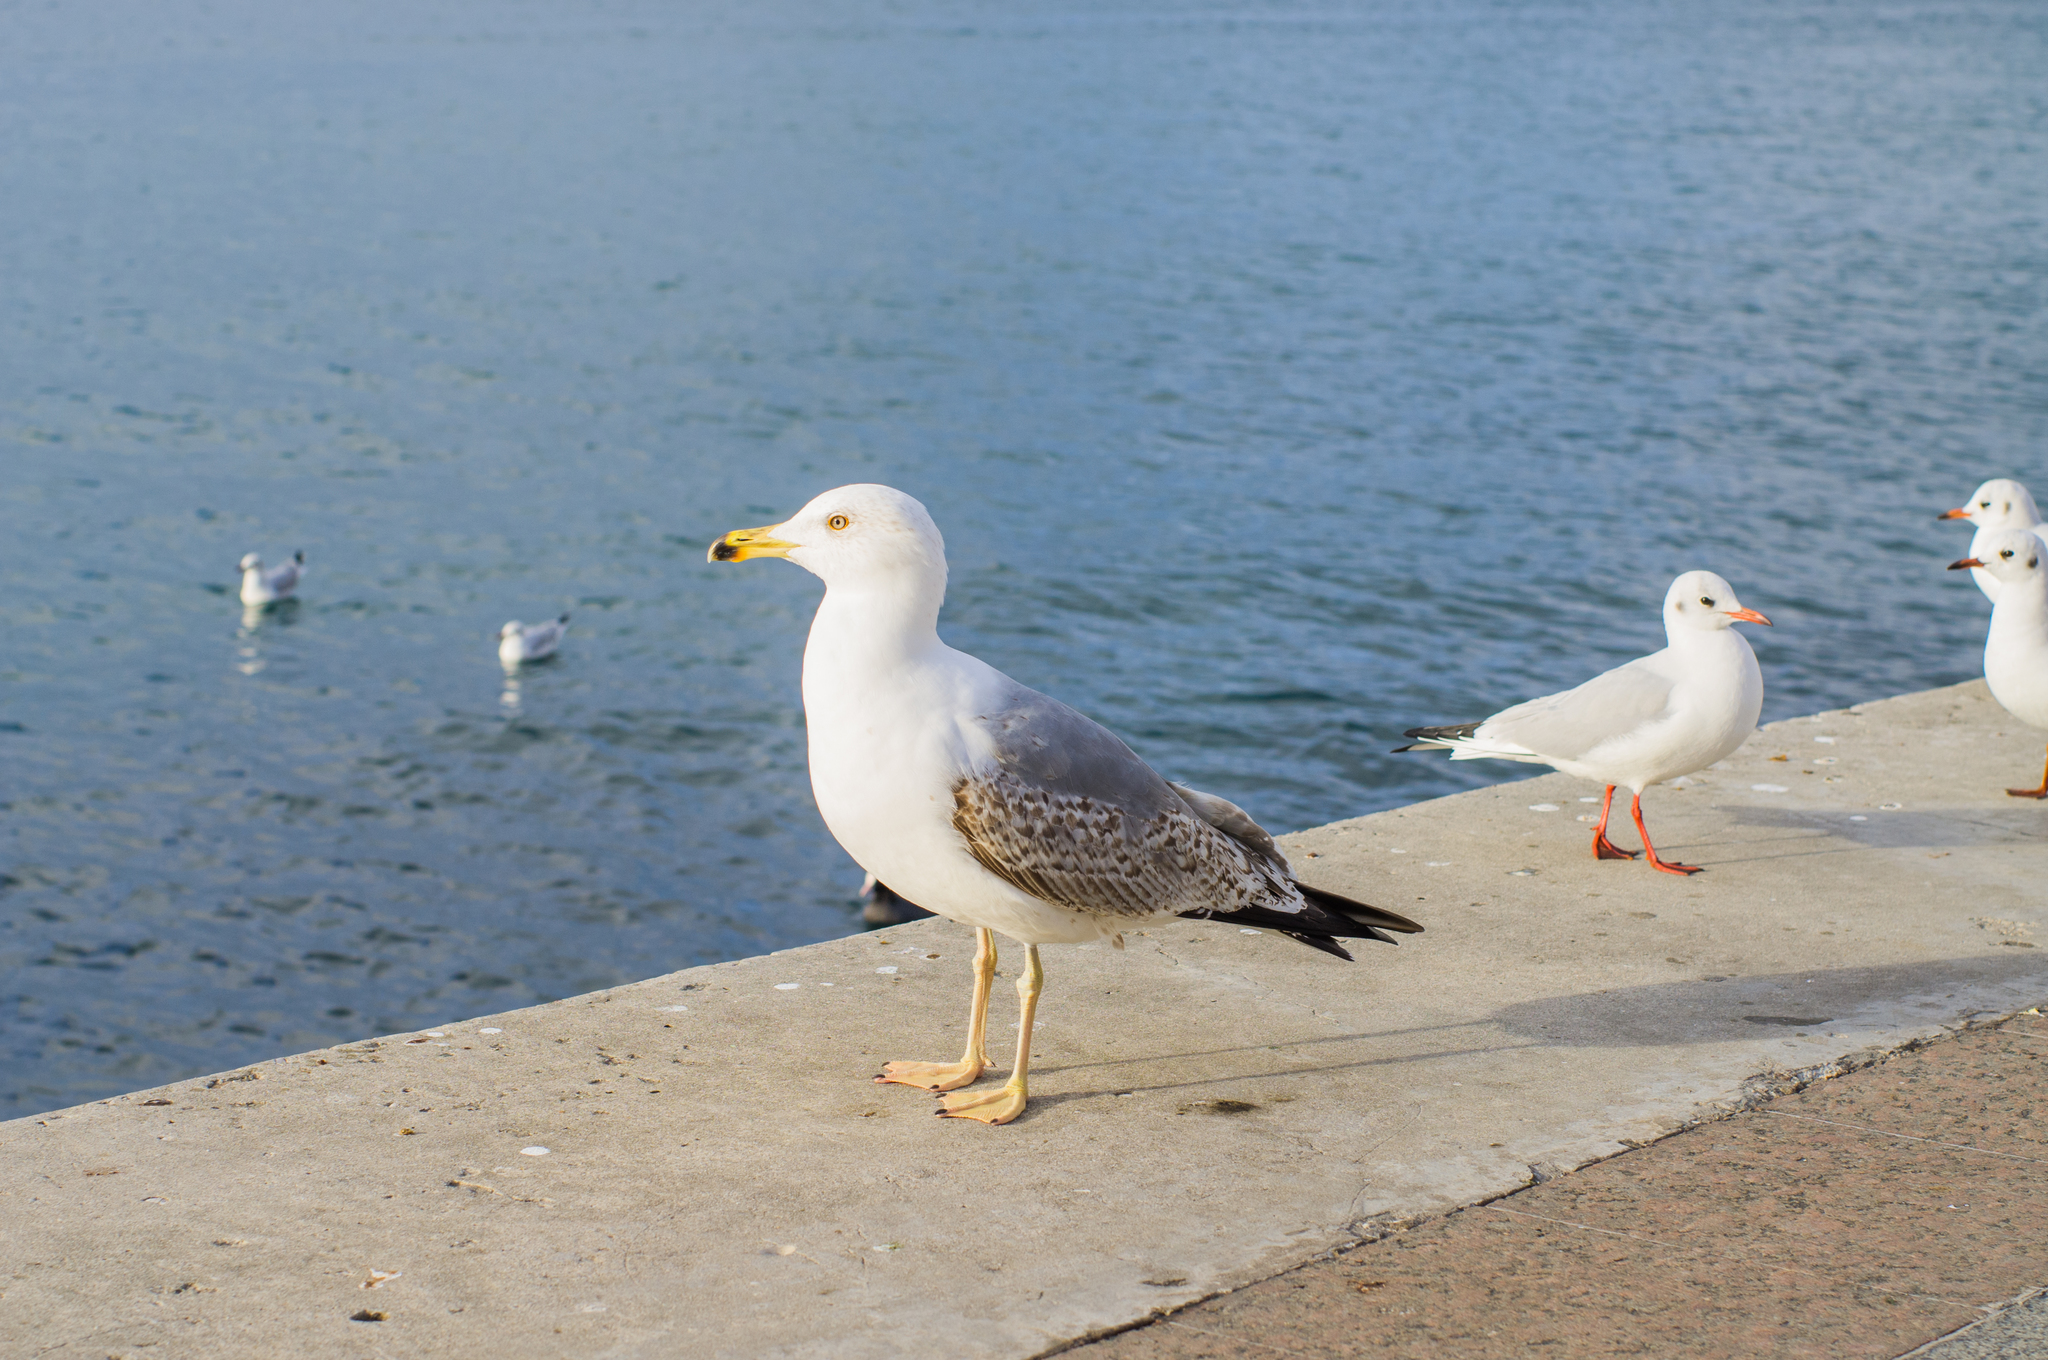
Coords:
2000,503
1704,602
2013,555
511,629
251,562
855,536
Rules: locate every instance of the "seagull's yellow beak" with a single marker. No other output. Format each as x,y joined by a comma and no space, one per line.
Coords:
741,544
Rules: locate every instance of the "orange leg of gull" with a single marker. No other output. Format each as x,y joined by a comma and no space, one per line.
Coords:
949,1076
2041,792
1000,1107
1602,847
1635,808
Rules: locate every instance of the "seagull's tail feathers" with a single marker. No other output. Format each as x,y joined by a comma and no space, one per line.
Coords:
1466,741
1325,919
1438,738
299,557
564,619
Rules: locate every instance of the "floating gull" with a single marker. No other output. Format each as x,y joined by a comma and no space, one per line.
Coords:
1656,718
2016,650
519,642
995,805
261,586
2000,505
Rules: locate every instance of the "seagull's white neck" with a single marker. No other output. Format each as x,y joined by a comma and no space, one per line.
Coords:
2020,617
1700,641
868,629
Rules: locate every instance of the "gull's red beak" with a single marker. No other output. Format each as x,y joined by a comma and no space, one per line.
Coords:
1966,562
1963,513
1749,616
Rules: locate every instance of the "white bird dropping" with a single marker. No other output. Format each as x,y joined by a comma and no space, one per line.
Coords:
261,586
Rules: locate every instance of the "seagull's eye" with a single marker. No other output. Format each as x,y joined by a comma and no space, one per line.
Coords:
1707,600
2005,552
1983,505
837,522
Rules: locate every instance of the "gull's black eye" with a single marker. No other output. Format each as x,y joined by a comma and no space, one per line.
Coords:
1707,600
1983,505
837,522
2005,552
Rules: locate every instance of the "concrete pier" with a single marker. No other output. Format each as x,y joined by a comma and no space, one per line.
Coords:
1209,1107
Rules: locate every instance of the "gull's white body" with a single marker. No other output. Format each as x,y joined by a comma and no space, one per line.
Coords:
874,668
1658,717
519,642
2016,648
1999,506
262,586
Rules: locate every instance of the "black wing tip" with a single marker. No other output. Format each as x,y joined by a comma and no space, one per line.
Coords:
1360,913
1326,943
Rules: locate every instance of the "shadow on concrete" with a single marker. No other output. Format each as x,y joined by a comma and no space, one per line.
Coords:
1659,1015
1712,1012
1833,833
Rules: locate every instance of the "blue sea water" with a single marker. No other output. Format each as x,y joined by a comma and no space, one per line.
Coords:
1282,375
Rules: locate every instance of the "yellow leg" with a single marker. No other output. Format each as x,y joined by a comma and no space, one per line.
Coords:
948,1076
1000,1107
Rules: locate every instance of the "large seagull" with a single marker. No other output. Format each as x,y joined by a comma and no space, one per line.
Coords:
991,803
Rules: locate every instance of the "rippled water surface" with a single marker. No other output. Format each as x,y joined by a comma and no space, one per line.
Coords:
1281,375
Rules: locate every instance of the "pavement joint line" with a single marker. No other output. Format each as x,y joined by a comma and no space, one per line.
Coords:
1991,1311
1861,1128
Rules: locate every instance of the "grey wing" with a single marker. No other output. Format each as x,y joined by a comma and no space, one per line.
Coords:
285,578
543,638
1070,815
1568,725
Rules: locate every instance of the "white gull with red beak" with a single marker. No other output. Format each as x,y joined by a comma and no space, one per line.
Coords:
2000,506
1658,717
993,804
2016,649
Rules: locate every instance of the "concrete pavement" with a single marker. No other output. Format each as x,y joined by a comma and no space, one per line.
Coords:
1210,1108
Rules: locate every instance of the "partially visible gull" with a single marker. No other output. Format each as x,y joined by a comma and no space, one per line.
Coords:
2016,649
262,586
2000,506
519,642
993,804
1656,718
882,905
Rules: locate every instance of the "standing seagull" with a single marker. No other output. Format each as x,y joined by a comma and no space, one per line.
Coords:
1656,718
519,642
995,805
2016,650
261,587
2000,506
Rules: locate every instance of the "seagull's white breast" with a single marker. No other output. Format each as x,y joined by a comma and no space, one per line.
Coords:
891,736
